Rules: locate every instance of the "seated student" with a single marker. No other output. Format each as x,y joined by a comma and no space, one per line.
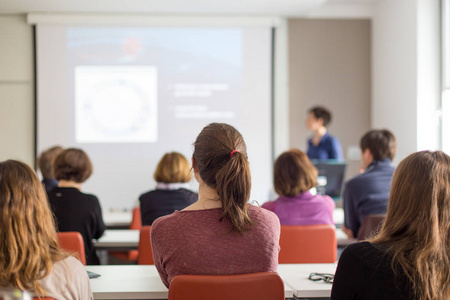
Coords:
172,176
321,145
30,256
294,175
409,258
368,192
221,233
74,210
45,161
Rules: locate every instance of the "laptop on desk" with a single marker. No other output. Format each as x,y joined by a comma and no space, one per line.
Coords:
331,177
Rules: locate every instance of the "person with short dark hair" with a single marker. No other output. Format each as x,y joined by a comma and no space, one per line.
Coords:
294,176
172,175
221,233
321,145
74,210
368,193
45,161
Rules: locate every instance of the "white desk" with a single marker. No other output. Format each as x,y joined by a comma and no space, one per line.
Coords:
134,282
127,282
118,240
296,276
117,218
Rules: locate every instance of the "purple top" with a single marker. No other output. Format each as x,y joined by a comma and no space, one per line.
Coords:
195,242
303,209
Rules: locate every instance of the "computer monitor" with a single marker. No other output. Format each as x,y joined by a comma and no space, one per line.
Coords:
331,177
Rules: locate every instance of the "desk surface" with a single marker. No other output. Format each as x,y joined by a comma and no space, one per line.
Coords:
117,218
296,276
113,239
134,282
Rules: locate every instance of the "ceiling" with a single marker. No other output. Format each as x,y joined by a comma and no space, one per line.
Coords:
288,8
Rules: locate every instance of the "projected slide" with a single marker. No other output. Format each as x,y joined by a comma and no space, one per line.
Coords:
116,104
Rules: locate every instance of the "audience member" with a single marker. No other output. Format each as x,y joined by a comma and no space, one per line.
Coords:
172,176
220,233
45,161
294,176
321,145
30,258
368,192
74,210
409,259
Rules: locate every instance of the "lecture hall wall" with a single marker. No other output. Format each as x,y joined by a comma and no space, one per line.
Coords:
388,89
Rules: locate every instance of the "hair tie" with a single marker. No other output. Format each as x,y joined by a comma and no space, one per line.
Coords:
232,152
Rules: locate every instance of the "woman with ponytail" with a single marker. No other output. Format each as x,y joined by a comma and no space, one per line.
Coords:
220,234
410,257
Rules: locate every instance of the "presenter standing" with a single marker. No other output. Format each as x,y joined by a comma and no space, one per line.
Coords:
321,145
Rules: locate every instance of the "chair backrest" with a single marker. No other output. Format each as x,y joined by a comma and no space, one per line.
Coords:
370,226
72,241
145,247
260,286
136,221
307,244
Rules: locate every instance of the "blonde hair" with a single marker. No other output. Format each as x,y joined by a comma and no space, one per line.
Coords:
173,167
29,245
416,230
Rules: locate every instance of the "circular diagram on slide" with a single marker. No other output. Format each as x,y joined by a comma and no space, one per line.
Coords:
118,108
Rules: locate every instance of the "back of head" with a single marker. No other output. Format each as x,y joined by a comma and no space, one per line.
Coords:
225,170
381,144
72,165
294,173
45,161
27,230
173,167
417,224
320,112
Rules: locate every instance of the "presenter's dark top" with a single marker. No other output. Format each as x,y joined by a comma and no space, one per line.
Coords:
76,211
364,272
158,203
329,147
367,193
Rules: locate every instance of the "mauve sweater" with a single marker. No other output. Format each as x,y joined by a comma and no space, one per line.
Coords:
196,242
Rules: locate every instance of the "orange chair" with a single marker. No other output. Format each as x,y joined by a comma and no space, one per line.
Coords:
307,244
72,241
260,286
145,247
136,224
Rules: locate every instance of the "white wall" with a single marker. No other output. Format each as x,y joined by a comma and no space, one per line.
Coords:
405,72
16,90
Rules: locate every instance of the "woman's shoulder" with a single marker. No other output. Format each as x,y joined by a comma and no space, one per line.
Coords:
365,253
262,214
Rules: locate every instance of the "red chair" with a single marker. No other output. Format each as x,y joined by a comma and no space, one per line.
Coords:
145,247
136,224
258,286
307,244
72,241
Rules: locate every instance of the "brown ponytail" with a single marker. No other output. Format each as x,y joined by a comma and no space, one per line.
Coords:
228,174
